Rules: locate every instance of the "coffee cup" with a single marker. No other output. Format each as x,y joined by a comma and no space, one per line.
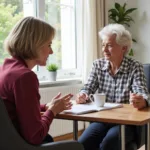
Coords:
99,99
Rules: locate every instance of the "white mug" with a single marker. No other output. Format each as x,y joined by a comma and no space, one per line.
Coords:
99,99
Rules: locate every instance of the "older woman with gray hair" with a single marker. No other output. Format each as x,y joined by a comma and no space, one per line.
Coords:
121,79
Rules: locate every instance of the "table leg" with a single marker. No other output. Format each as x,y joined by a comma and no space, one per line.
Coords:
122,137
147,137
75,130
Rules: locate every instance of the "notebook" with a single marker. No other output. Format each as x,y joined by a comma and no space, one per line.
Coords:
91,107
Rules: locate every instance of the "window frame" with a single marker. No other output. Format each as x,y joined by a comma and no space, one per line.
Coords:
62,74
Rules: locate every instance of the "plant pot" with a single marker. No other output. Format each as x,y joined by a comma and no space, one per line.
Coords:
52,75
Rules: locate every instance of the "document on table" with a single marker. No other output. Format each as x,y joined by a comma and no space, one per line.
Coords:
91,107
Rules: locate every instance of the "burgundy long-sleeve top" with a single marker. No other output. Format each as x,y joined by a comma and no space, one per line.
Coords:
19,88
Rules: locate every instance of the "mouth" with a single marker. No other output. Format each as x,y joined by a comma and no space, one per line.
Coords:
106,54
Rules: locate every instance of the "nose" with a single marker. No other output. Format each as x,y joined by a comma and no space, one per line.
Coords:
104,48
51,51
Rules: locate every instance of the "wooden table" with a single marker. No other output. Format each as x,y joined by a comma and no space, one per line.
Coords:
127,115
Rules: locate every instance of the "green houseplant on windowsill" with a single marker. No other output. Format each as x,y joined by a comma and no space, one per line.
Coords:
120,14
52,68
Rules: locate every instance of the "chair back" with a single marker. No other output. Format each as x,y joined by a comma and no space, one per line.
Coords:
147,75
140,130
11,140
9,137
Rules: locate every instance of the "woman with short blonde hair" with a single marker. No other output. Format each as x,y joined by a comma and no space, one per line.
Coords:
29,44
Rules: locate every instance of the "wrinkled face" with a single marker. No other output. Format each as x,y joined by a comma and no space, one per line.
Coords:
44,52
111,50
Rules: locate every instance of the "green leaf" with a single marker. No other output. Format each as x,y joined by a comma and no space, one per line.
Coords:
121,10
124,6
126,24
131,53
134,40
130,11
128,19
114,19
113,11
117,6
52,67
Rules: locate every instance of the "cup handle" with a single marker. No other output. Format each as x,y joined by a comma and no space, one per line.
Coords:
90,97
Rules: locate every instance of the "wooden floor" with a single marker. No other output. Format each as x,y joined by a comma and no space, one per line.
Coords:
68,136
142,148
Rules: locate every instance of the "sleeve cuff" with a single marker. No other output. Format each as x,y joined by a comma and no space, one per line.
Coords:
49,114
84,91
43,108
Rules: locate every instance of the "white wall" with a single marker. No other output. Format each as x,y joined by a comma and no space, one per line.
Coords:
140,29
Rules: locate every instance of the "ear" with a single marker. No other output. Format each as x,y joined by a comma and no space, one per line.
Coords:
124,48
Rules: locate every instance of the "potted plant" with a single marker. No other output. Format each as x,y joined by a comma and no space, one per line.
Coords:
120,14
52,68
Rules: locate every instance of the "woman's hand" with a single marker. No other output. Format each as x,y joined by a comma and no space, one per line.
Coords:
81,98
58,103
137,101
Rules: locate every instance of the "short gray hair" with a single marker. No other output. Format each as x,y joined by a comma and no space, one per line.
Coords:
123,36
27,37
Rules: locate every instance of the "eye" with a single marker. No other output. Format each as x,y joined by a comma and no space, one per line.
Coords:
49,45
109,46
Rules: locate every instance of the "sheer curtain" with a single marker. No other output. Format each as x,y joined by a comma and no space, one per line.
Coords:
93,19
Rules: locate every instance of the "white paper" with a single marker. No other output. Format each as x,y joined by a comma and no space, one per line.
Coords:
91,107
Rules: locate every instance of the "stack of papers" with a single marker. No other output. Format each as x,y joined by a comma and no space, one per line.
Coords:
91,107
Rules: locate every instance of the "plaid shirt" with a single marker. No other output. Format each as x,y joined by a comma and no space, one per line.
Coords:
129,77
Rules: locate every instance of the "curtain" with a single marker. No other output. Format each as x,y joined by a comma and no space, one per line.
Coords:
93,19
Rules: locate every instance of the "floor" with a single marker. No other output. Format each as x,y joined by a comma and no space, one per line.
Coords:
142,148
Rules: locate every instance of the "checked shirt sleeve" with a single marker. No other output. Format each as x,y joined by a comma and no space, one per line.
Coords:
92,83
139,82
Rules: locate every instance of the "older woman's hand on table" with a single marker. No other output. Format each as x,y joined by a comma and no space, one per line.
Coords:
137,101
81,98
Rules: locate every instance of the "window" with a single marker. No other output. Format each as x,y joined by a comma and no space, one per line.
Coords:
10,12
63,16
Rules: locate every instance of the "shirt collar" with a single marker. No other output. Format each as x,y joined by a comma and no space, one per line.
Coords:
123,68
106,65
124,65
21,60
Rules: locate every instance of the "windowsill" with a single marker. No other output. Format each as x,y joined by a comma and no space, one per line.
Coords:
60,82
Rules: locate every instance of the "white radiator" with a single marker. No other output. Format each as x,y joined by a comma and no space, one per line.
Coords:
60,127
